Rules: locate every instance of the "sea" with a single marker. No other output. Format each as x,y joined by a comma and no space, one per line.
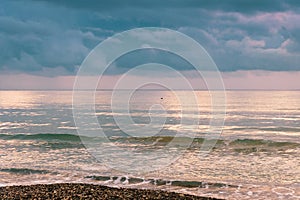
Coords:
255,156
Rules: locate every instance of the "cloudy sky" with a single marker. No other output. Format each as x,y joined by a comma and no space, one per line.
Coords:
255,43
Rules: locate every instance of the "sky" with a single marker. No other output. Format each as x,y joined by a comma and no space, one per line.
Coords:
255,43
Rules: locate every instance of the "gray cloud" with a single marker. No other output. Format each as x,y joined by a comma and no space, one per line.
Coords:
39,35
245,6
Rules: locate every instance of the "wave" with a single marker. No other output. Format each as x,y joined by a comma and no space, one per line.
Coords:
158,182
256,142
74,141
24,171
271,129
247,146
41,136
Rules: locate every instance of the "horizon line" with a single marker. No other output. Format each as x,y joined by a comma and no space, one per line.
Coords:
149,90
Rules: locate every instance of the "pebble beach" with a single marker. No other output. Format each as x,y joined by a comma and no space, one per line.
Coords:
86,191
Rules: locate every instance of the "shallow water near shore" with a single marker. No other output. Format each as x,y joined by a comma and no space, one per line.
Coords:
256,156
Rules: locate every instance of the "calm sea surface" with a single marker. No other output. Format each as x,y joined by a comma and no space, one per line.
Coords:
256,157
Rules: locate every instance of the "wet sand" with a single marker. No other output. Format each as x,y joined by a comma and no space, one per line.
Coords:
85,191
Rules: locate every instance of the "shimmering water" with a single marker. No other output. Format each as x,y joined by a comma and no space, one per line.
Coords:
256,157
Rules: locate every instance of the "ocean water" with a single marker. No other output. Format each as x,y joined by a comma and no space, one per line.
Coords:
257,155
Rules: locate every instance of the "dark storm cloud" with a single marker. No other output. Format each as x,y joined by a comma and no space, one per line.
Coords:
129,60
245,6
37,36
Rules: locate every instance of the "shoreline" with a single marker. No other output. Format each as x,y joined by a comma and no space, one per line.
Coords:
87,191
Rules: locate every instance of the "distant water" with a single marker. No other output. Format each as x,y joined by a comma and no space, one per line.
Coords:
256,157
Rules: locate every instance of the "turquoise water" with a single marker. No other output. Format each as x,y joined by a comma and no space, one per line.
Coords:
256,156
